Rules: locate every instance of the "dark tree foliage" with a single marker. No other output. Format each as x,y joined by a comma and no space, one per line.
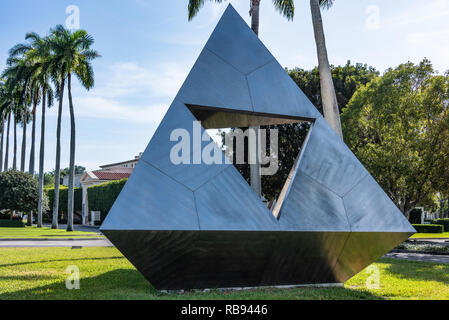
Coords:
18,191
347,79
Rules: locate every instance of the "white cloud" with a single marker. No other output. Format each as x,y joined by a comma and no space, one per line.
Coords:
104,108
425,11
128,79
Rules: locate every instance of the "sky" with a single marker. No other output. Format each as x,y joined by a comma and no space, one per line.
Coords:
147,48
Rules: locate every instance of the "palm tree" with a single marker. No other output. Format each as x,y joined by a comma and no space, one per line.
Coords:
328,96
37,52
72,53
2,133
287,9
18,77
5,112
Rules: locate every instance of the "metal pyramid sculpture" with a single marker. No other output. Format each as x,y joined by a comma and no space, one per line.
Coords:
197,225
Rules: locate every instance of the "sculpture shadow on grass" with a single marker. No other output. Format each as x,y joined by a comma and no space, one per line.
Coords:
115,284
129,284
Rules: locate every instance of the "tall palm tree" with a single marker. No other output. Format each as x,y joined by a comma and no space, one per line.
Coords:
72,52
287,9
6,105
2,133
37,53
328,96
18,74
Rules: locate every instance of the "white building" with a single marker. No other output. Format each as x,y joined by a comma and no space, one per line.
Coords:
108,172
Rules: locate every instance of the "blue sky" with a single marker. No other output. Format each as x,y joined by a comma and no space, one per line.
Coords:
147,50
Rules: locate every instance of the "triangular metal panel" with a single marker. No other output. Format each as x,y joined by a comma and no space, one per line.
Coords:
273,91
227,202
329,161
213,82
234,42
157,153
370,209
146,203
309,206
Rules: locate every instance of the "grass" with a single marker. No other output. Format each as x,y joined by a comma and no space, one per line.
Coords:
34,232
39,273
430,235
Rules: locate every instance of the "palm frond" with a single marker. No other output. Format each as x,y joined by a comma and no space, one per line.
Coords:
326,4
195,5
285,7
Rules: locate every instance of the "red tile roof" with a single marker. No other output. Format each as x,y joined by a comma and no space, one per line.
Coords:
111,175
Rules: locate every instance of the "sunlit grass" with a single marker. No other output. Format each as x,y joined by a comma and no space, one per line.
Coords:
34,232
39,273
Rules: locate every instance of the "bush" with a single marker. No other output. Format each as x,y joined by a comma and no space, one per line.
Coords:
101,197
12,223
428,228
19,191
63,198
443,222
63,202
415,216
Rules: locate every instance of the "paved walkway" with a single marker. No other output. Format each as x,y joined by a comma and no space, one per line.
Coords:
103,242
418,257
78,227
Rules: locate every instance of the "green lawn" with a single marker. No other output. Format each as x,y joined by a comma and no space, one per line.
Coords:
33,232
39,273
430,235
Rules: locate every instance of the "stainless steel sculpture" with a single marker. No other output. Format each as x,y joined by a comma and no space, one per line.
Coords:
202,226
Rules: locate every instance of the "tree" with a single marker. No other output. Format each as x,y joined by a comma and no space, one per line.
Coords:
398,126
37,52
347,78
19,191
72,54
329,98
287,9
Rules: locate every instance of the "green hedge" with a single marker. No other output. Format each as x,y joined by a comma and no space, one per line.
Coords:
443,222
101,197
11,223
63,198
415,216
428,228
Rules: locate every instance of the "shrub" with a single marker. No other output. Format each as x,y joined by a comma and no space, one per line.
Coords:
428,228
18,191
12,223
101,197
443,222
415,216
63,198
63,202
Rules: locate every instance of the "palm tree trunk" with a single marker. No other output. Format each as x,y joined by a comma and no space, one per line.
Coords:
5,167
72,158
328,96
2,132
255,177
14,159
33,140
54,224
41,163
24,142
